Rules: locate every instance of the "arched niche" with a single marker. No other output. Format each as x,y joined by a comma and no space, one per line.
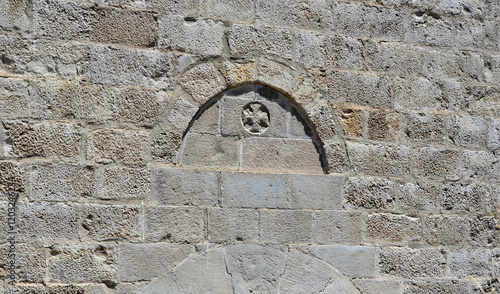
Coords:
252,127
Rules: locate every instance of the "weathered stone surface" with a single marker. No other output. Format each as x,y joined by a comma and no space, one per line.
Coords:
207,150
463,197
14,15
439,286
483,231
393,228
352,261
14,97
305,14
61,182
409,263
467,131
173,224
136,105
416,93
286,226
11,177
228,9
352,119
112,222
315,192
369,193
27,139
45,220
445,230
431,30
336,157
491,35
494,135
247,40
346,228
307,91
275,74
137,262
237,73
124,183
165,146
376,286
43,289
462,65
419,195
424,128
465,263
255,268
115,145
207,121
30,261
82,263
470,33
230,225
481,165
68,20
171,7
383,125
186,187
437,163
326,122
203,82
379,159
395,57
202,37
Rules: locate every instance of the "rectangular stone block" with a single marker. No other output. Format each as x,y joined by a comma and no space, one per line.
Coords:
207,150
463,197
308,14
470,33
14,97
185,7
82,263
354,19
378,193
12,178
437,163
247,40
112,222
231,225
337,227
186,187
208,121
27,139
493,143
491,34
481,165
496,262
286,226
464,65
424,128
446,230
228,9
384,125
418,195
432,31
393,229
315,191
203,82
116,145
463,263
467,131
352,261
68,20
139,262
412,263
377,286
174,224
45,220
379,159
136,105
483,231
275,154
336,157
14,15
352,119
199,36
30,261
61,182
130,67
248,189
417,93
124,183
445,286
395,57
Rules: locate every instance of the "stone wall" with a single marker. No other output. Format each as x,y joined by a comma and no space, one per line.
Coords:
228,146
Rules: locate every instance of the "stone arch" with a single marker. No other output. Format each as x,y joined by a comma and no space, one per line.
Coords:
252,127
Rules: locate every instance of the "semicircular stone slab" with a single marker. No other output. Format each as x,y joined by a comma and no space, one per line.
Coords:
250,268
252,128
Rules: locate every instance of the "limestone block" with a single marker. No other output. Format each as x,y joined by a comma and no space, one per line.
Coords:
496,262
359,88
299,126
203,82
315,191
467,131
424,128
379,159
393,229
491,34
27,139
247,40
124,183
286,226
208,120
437,163
462,65
346,228
186,7
466,262
463,197
369,193
253,190
61,182
45,289
462,7
447,286
479,165
418,195
30,261
174,224
255,268
351,118
352,261
276,154
470,33
130,67
326,122
11,177
355,19
228,9
115,145
112,222
417,93
494,135
384,125
276,74
166,283
207,150
186,187
203,37
336,157
136,105
307,91
138,262
395,57
230,225
376,286
237,73
483,231
14,97
445,230
315,50
431,30
82,263
45,220
165,146
14,15
308,14
411,263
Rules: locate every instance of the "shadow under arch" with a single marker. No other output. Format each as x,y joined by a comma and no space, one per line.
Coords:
274,133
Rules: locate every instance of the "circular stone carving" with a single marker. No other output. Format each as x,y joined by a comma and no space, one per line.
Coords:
255,117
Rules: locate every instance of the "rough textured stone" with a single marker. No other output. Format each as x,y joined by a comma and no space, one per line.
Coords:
230,225
346,228
352,261
173,224
409,263
470,33
432,30
352,119
376,286
30,261
203,82
383,125
445,230
379,159
228,9
437,163
326,122
286,226
14,97
494,135
424,128
136,105
11,177
395,57
467,131
369,193
417,93
275,74
393,228
206,150
336,157
465,263
202,37
124,183
419,195
315,192
115,145
111,222
41,289
481,165
439,286
14,15
463,197
238,73
186,187
165,146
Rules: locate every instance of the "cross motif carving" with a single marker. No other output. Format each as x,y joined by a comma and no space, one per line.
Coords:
255,117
